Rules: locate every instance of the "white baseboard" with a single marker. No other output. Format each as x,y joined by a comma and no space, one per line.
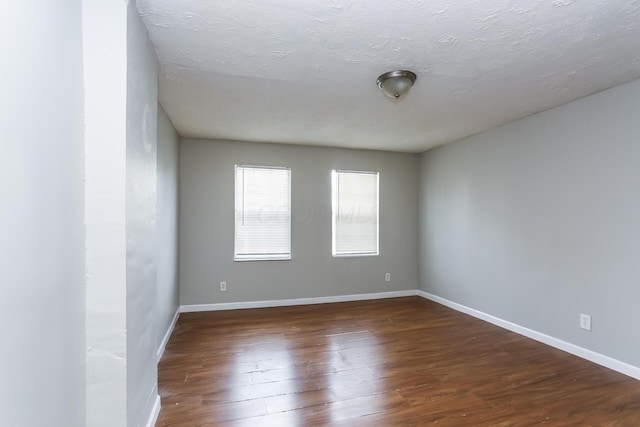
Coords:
600,359
167,335
155,411
295,301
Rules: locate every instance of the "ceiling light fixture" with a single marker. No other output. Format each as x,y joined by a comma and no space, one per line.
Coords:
395,84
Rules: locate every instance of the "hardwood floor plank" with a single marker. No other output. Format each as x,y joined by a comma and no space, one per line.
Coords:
403,361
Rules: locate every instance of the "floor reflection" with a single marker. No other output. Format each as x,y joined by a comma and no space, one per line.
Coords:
353,368
274,373
335,373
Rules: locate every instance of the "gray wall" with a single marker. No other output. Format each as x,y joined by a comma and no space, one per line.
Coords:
142,104
207,223
41,219
167,223
539,220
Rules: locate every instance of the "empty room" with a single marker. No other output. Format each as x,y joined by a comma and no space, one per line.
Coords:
332,213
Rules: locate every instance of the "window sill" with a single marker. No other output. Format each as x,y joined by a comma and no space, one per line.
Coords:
354,255
261,259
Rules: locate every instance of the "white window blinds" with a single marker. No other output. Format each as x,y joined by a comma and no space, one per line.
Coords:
262,213
354,213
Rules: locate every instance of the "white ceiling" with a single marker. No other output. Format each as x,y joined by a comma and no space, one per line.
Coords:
304,71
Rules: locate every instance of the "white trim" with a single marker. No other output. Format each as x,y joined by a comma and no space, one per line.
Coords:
296,301
600,359
155,411
165,340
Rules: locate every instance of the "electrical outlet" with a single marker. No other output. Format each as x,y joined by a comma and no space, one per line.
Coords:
223,286
387,277
585,321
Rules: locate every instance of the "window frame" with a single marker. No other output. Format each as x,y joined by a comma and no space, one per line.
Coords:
253,257
335,209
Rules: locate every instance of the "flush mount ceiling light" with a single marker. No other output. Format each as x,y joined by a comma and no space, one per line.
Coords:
395,84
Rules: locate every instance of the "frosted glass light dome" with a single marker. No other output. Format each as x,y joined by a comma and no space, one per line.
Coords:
395,84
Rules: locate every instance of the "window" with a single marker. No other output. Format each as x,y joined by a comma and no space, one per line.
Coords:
262,213
354,213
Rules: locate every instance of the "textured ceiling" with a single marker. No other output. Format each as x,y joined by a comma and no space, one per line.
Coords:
304,71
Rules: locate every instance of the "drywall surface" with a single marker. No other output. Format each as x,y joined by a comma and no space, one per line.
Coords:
41,219
538,221
207,224
142,111
167,223
104,36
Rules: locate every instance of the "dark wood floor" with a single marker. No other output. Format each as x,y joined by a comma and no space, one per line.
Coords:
402,361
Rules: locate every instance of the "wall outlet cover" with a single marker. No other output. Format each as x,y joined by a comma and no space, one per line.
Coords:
585,322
